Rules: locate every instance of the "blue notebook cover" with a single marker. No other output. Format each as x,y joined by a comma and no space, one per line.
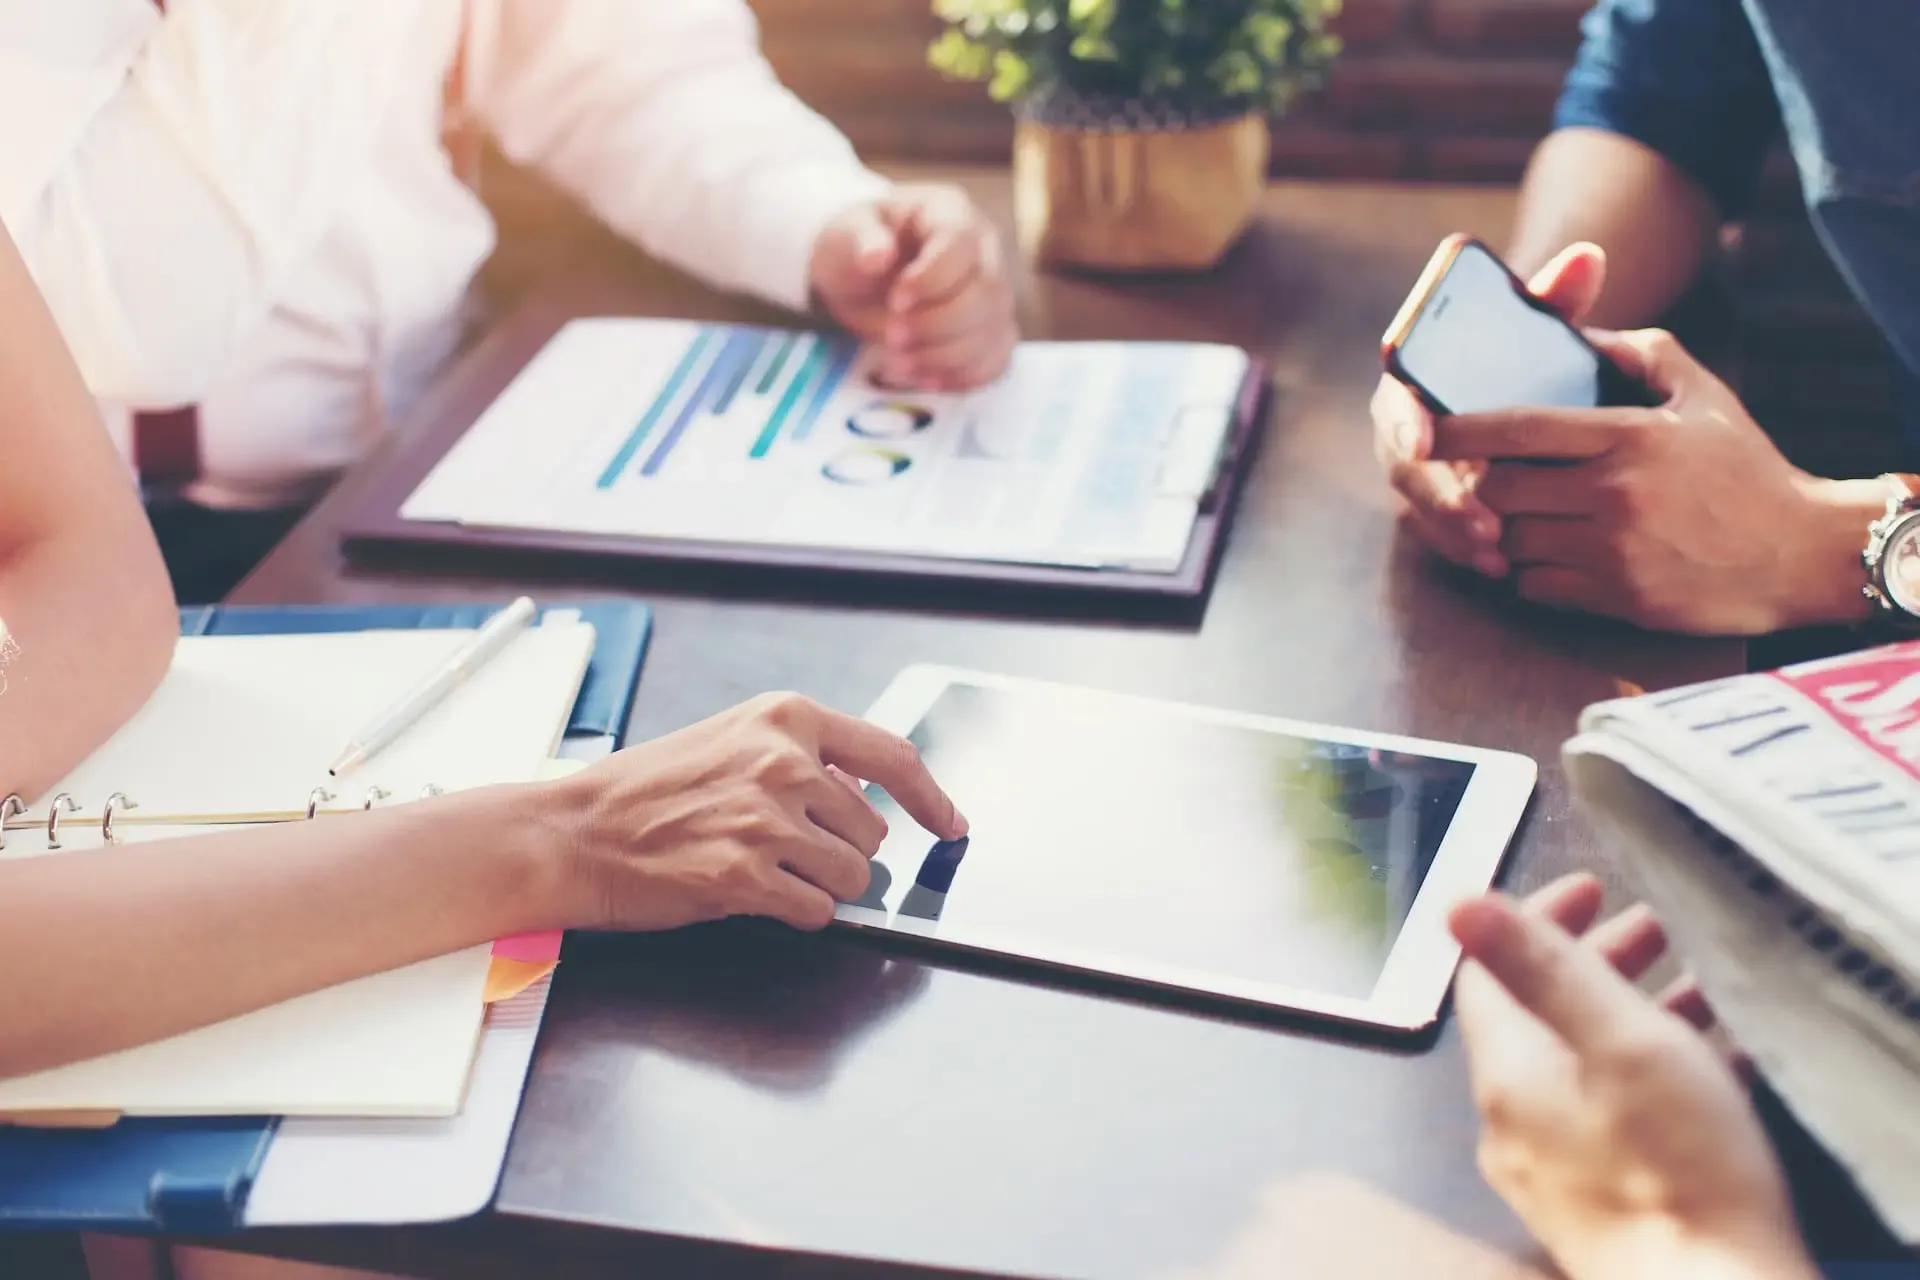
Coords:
192,1176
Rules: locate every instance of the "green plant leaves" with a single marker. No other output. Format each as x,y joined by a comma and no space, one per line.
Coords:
1268,33
1010,76
1254,54
1089,47
953,54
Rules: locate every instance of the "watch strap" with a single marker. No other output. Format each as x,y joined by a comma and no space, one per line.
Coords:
1903,486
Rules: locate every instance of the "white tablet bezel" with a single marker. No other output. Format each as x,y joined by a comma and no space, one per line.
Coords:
1413,983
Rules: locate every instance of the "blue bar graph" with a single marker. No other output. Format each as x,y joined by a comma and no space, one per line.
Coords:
624,455
739,350
841,361
779,362
816,356
724,401
731,371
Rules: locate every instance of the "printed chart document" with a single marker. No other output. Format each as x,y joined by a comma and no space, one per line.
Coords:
1097,454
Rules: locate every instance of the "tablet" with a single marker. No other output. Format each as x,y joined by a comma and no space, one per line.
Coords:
1292,866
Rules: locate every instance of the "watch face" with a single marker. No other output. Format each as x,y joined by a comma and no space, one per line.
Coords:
1903,566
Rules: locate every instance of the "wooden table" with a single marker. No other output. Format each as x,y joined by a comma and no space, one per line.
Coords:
734,1087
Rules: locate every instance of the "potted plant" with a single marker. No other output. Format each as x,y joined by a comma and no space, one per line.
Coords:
1141,125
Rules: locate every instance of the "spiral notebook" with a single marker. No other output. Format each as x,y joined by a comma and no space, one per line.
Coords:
208,1174
244,727
242,731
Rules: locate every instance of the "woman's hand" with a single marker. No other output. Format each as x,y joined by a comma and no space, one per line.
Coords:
1611,1125
749,813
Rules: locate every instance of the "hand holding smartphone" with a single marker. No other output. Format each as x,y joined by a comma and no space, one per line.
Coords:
1471,338
1530,454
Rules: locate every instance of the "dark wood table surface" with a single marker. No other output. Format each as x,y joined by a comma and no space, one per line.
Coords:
701,1099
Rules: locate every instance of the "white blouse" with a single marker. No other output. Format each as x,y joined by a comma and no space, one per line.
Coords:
248,205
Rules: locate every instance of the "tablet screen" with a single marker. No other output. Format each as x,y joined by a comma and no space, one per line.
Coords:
1116,828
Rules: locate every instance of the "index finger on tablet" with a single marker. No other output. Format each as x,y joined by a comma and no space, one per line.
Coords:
870,752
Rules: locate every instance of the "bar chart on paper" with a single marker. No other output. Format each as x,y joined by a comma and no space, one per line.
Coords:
778,383
739,434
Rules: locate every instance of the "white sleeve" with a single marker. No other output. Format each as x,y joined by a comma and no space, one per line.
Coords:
664,118
177,172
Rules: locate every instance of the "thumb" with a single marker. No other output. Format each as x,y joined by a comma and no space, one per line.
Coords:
1572,281
873,247
1403,429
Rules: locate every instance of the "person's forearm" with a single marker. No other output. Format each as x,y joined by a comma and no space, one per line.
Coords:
115,947
1660,1249
666,120
210,177
1657,225
84,597
90,627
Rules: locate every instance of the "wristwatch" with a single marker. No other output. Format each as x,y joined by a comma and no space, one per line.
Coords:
1892,555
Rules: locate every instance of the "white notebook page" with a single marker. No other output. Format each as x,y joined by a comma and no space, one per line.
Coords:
245,726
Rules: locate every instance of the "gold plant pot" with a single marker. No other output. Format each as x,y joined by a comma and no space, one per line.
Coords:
1157,199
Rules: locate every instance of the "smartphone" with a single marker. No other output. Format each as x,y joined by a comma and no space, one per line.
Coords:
1471,339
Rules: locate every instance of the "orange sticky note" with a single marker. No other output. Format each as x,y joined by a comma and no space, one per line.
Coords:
508,978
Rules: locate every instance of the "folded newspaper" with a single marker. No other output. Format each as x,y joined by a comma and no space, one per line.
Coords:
1773,821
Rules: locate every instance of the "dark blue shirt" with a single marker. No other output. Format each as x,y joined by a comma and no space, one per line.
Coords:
1710,83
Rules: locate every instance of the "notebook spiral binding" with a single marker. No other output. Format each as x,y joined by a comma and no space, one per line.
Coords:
15,806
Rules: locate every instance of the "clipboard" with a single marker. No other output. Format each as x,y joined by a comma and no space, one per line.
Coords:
374,524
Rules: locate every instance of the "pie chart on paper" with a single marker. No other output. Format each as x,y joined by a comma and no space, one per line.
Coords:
866,466
889,420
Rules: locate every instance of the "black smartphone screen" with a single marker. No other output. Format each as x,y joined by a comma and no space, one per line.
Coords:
1480,345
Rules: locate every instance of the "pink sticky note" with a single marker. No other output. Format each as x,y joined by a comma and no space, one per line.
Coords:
530,948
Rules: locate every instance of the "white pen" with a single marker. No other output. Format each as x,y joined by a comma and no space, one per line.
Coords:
476,653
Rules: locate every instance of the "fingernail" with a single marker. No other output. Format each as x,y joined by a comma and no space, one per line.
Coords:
897,335
1485,527
960,826
1490,564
